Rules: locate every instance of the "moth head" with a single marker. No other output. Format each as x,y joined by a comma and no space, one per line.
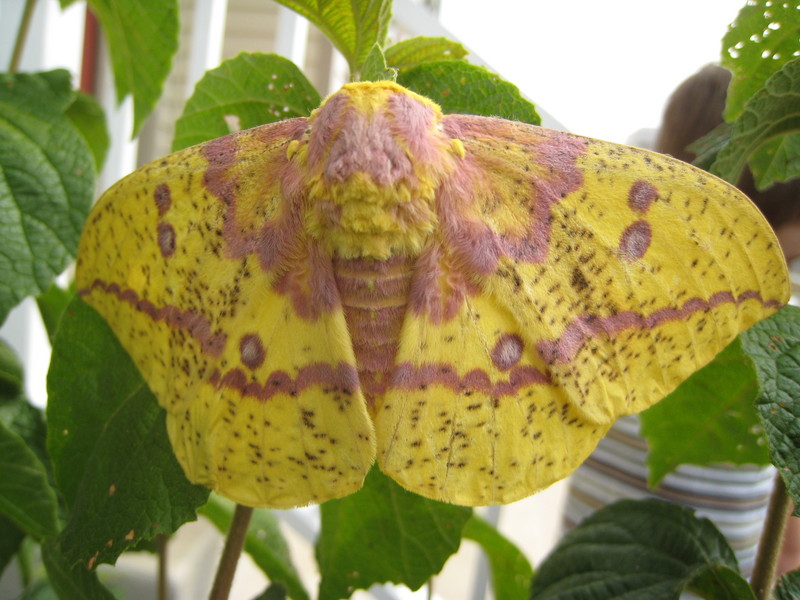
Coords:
374,155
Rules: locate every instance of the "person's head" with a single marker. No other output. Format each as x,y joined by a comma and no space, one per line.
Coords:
693,110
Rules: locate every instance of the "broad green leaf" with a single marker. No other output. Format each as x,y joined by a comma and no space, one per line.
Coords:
25,494
772,111
459,87
710,417
142,39
17,414
264,543
383,533
10,372
759,42
767,342
774,344
56,85
708,146
108,442
788,587
641,549
243,92
511,571
52,304
353,27
375,68
776,160
721,583
89,119
421,49
46,183
274,591
27,421
72,581
11,536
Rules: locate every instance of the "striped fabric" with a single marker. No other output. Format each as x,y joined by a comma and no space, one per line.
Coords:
734,497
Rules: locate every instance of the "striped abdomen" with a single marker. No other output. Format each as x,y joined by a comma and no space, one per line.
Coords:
374,294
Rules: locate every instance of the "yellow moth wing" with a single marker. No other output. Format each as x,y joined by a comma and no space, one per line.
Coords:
661,265
456,428
597,277
175,258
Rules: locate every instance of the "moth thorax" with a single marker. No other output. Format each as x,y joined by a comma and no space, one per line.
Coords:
359,218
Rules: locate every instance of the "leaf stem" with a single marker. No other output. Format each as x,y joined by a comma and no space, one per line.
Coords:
769,547
230,554
163,587
22,35
25,561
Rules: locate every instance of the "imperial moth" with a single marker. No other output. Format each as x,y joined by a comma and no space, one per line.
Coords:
469,300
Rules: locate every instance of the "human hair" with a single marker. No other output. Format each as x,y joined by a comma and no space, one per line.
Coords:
693,110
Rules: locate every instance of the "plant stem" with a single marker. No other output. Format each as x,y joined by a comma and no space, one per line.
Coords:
163,588
22,35
230,554
25,561
769,547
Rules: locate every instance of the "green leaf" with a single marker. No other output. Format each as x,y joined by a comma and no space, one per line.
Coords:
89,119
142,39
17,414
709,418
459,87
708,146
384,533
25,495
11,536
375,68
10,372
52,305
774,344
264,543
108,442
421,49
46,183
788,587
759,42
75,582
767,341
27,421
721,583
776,160
640,549
772,111
353,27
243,92
511,571
273,592
56,84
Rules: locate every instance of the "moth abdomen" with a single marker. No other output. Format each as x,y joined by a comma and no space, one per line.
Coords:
374,295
